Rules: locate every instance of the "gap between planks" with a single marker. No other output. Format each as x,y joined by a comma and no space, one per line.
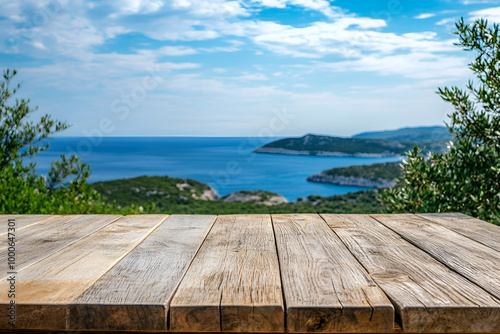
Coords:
52,235
475,261
428,296
233,283
157,265
325,287
52,283
483,232
281,279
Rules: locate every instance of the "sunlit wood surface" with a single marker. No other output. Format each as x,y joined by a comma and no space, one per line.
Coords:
297,273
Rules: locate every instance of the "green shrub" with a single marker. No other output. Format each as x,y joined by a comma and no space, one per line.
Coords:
65,188
467,178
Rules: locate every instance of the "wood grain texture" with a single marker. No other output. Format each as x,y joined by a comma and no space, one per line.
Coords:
429,298
52,235
473,260
486,233
44,289
135,293
325,288
22,221
439,271
233,283
397,330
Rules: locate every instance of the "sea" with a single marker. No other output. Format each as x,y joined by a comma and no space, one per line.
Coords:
225,163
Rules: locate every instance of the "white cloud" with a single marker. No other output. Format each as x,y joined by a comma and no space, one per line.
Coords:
74,42
475,2
140,6
417,65
252,77
176,51
38,45
113,31
339,37
322,6
179,66
63,31
74,34
17,18
176,28
491,14
446,21
235,46
208,8
424,16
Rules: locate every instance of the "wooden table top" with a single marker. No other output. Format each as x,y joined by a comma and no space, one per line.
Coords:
431,273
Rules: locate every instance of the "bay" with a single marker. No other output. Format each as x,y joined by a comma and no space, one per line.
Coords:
226,163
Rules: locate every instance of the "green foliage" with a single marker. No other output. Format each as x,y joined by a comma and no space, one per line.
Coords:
253,196
467,178
265,194
161,195
22,191
387,171
20,138
343,145
160,191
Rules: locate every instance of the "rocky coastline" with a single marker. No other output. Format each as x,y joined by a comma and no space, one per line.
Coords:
351,181
256,197
276,150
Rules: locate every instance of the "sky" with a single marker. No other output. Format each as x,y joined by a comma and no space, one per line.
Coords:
237,67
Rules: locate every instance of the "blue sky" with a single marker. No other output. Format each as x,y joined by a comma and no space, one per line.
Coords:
237,67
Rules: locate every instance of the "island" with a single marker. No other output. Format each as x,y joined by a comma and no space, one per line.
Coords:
423,134
368,144
318,145
383,175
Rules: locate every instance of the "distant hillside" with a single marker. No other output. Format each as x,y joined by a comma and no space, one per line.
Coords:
417,134
336,146
146,190
184,196
382,175
256,197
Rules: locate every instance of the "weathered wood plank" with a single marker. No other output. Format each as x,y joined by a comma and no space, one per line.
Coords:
22,221
476,229
325,288
429,298
477,262
233,283
51,235
44,289
135,293
395,331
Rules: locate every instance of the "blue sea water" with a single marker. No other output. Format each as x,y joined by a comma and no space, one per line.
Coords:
227,164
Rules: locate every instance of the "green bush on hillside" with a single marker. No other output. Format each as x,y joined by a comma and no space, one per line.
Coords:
467,178
22,191
386,171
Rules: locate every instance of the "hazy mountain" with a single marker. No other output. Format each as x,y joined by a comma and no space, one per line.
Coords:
417,134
